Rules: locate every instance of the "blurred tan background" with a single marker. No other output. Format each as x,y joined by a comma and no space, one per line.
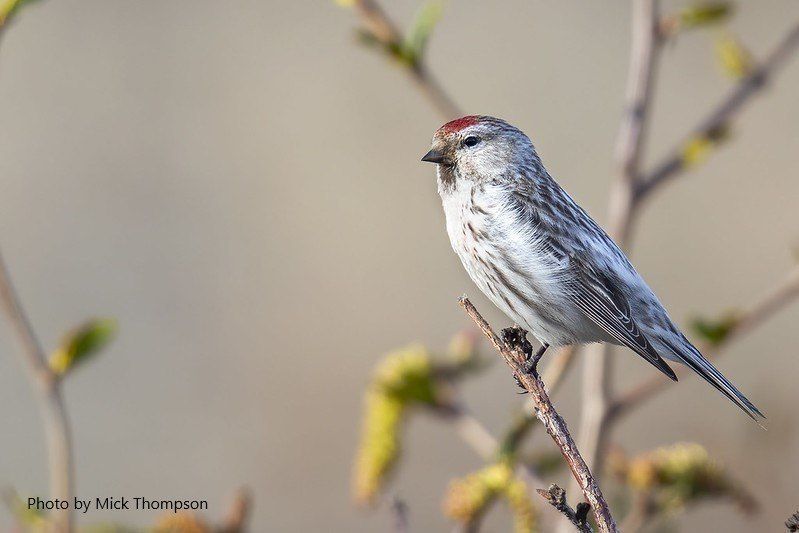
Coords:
239,184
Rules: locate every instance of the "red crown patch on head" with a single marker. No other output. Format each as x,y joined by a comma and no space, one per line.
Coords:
458,124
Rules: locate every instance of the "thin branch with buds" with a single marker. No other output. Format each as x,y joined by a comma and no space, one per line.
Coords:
378,25
722,114
514,354
556,497
47,387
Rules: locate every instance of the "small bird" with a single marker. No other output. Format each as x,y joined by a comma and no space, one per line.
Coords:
542,260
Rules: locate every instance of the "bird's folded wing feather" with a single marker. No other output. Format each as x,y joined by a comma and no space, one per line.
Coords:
609,309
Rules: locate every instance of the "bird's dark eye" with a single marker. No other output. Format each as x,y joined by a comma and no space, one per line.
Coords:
471,141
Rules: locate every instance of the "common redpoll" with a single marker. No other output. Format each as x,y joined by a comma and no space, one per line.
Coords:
542,259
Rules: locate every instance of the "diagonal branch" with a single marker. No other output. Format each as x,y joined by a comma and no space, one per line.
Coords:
552,376
382,29
722,114
515,356
51,403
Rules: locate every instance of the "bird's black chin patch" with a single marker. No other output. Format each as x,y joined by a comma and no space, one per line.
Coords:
446,176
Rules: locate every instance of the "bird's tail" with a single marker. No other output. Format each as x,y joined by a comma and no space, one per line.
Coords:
692,358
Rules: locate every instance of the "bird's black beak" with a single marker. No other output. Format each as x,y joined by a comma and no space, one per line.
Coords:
435,156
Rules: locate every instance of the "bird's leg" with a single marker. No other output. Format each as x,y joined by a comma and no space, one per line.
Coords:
530,366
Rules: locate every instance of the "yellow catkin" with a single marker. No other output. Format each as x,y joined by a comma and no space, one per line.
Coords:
380,444
468,498
6,7
525,516
704,13
406,374
402,378
679,474
681,459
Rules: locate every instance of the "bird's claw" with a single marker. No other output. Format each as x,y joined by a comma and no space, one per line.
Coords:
530,366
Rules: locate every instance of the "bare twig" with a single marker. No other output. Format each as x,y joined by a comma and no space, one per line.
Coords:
723,113
381,28
399,515
556,497
552,376
51,403
515,356
763,309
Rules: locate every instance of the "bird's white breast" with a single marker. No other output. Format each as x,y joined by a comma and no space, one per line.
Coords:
506,260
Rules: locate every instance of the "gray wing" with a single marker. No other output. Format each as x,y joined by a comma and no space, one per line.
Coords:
598,297
594,293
